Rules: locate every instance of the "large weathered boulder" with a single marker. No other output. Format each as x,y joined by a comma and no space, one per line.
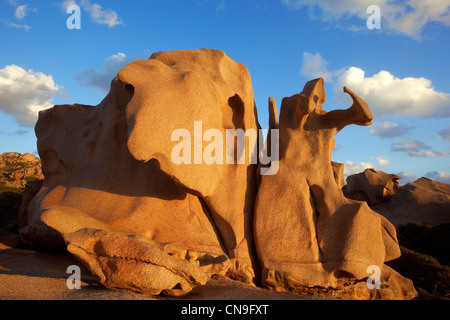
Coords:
371,186
307,233
111,165
131,263
423,201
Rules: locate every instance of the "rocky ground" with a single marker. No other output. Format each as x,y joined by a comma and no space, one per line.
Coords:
29,274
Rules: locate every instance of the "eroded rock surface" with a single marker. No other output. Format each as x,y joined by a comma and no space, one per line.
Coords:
307,233
125,262
112,162
16,169
372,186
115,197
423,201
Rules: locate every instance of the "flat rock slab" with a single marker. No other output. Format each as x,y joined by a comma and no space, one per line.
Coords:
32,275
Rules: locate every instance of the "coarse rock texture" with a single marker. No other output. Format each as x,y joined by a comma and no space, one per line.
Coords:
34,275
127,263
110,166
129,192
16,169
371,186
424,201
338,172
307,233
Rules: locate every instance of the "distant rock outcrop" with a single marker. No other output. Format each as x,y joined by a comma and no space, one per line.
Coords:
424,201
371,186
16,169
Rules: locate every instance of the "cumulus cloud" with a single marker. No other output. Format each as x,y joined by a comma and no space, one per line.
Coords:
444,134
314,66
358,167
415,148
97,13
439,176
386,129
101,79
24,93
390,95
404,17
383,161
354,168
385,93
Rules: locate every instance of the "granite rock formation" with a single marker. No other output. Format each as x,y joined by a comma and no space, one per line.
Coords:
423,201
371,186
113,257
112,162
306,232
17,169
115,198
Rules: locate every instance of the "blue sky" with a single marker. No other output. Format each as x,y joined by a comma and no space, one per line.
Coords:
401,69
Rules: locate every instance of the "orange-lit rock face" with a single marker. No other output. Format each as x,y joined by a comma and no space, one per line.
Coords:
114,196
306,232
112,162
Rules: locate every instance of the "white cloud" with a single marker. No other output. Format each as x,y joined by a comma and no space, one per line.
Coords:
410,18
24,93
15,25
97,13
390,95
101,79
415,148
439,176
404,17
387,129
385,93
354,168
314,66
358,167
383,161
68,3
444,134
21,11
